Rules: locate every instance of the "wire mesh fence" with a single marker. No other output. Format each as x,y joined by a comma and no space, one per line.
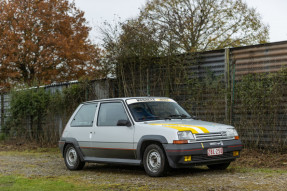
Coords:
245,87
40,114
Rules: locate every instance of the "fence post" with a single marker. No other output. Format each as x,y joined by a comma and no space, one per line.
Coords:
147,83
227,84
2,110
232,96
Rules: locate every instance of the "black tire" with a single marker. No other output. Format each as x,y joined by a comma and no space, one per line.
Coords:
221,166
154,161
72,158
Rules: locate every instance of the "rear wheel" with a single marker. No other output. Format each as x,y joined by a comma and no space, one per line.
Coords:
221,166
154,160
72,158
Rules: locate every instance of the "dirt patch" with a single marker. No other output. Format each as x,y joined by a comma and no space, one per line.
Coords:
262,159
244,174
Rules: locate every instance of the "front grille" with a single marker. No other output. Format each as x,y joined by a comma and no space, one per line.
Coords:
202,158
210,136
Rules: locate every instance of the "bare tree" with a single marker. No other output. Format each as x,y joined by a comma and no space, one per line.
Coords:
198,25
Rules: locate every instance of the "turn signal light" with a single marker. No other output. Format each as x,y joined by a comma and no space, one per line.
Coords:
236,137
180,141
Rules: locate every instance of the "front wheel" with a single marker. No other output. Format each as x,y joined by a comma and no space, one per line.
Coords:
154,161
221,166
72,158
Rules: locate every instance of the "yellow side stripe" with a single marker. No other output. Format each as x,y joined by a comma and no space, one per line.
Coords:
182,127
176,126
201,128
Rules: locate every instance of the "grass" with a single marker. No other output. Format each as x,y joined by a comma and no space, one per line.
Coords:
34,152
22,183
43,169
19,180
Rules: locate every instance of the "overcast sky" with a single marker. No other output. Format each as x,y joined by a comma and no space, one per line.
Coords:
273,12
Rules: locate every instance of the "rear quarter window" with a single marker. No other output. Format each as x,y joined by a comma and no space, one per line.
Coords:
85,116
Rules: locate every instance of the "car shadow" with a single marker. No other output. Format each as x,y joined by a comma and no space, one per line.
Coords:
115,168
139,170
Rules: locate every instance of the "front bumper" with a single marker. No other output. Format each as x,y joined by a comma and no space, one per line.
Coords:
198,151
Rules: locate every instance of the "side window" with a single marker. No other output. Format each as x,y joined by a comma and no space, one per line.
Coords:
111,113
85,116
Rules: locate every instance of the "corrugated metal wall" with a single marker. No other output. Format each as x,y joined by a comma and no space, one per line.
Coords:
256,59
266,125
101,88
215,102
206,103
212,61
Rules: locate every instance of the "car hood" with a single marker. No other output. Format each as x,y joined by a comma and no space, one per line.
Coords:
195,126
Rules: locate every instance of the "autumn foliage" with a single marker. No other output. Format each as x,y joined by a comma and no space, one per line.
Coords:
44,41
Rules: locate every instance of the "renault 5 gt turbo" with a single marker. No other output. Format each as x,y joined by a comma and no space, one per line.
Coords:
155,132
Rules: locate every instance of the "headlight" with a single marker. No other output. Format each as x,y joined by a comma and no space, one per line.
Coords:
231,132
185,135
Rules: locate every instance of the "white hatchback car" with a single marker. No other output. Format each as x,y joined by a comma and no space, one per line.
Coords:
154,132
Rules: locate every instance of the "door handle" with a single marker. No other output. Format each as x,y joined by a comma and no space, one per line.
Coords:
91,133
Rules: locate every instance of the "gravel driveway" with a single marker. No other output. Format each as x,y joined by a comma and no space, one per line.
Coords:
50,164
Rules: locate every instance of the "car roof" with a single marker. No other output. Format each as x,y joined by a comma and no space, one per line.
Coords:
122,99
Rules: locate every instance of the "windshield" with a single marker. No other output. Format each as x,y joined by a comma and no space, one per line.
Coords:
146,111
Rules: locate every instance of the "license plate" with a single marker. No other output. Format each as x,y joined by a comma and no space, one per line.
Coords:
214,151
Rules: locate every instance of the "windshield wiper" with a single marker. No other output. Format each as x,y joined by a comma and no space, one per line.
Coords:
181,116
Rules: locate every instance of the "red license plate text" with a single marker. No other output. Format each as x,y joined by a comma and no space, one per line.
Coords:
214,151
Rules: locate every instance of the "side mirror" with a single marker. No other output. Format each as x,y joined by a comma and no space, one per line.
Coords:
123,122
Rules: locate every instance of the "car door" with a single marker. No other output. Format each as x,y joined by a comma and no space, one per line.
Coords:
111,140
82,126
